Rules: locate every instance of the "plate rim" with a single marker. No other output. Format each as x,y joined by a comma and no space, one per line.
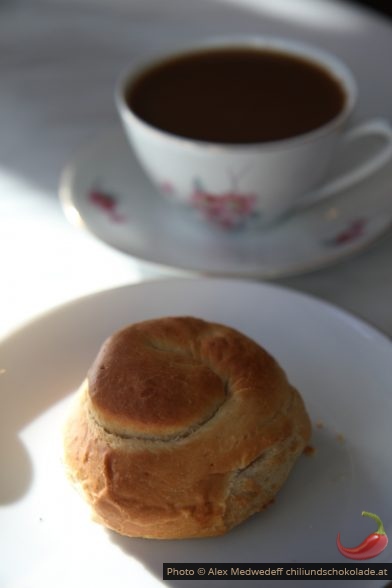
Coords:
329,307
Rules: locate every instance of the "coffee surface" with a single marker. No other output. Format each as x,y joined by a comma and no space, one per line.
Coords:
236,95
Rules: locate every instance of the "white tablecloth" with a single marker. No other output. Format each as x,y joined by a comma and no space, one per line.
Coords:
59,60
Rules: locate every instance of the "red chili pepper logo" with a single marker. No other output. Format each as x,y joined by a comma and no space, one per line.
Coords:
370,547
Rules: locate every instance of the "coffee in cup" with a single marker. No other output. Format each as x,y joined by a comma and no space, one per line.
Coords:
236,95
245,131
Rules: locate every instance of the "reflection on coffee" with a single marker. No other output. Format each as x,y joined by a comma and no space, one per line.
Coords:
236,95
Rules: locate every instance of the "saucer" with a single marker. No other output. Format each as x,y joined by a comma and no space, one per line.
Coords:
104,191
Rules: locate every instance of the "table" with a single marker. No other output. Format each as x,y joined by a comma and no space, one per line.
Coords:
59,62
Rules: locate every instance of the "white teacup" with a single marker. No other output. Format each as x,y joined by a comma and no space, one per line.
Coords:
255,182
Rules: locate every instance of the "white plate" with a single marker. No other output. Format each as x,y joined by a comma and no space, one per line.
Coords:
341,366
104,191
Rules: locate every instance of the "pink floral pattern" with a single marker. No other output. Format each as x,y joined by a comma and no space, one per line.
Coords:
354,230
167,188
229,210
107,203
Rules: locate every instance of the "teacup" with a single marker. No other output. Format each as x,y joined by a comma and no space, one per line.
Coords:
245,131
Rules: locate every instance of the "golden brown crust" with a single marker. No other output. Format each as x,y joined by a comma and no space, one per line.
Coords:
183,428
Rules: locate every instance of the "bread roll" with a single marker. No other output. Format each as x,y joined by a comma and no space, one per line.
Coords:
182,428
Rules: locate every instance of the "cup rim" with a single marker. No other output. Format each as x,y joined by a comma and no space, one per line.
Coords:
333,64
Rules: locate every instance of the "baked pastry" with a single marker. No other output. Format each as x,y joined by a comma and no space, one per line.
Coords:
182,428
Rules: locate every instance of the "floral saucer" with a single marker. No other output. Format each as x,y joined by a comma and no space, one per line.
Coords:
104,191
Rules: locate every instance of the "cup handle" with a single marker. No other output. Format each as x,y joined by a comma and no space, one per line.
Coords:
380,128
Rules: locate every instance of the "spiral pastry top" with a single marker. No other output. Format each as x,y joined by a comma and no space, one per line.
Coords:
182,428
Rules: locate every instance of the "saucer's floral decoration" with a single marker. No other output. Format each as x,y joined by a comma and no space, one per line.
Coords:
354,230
168,189
106,203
